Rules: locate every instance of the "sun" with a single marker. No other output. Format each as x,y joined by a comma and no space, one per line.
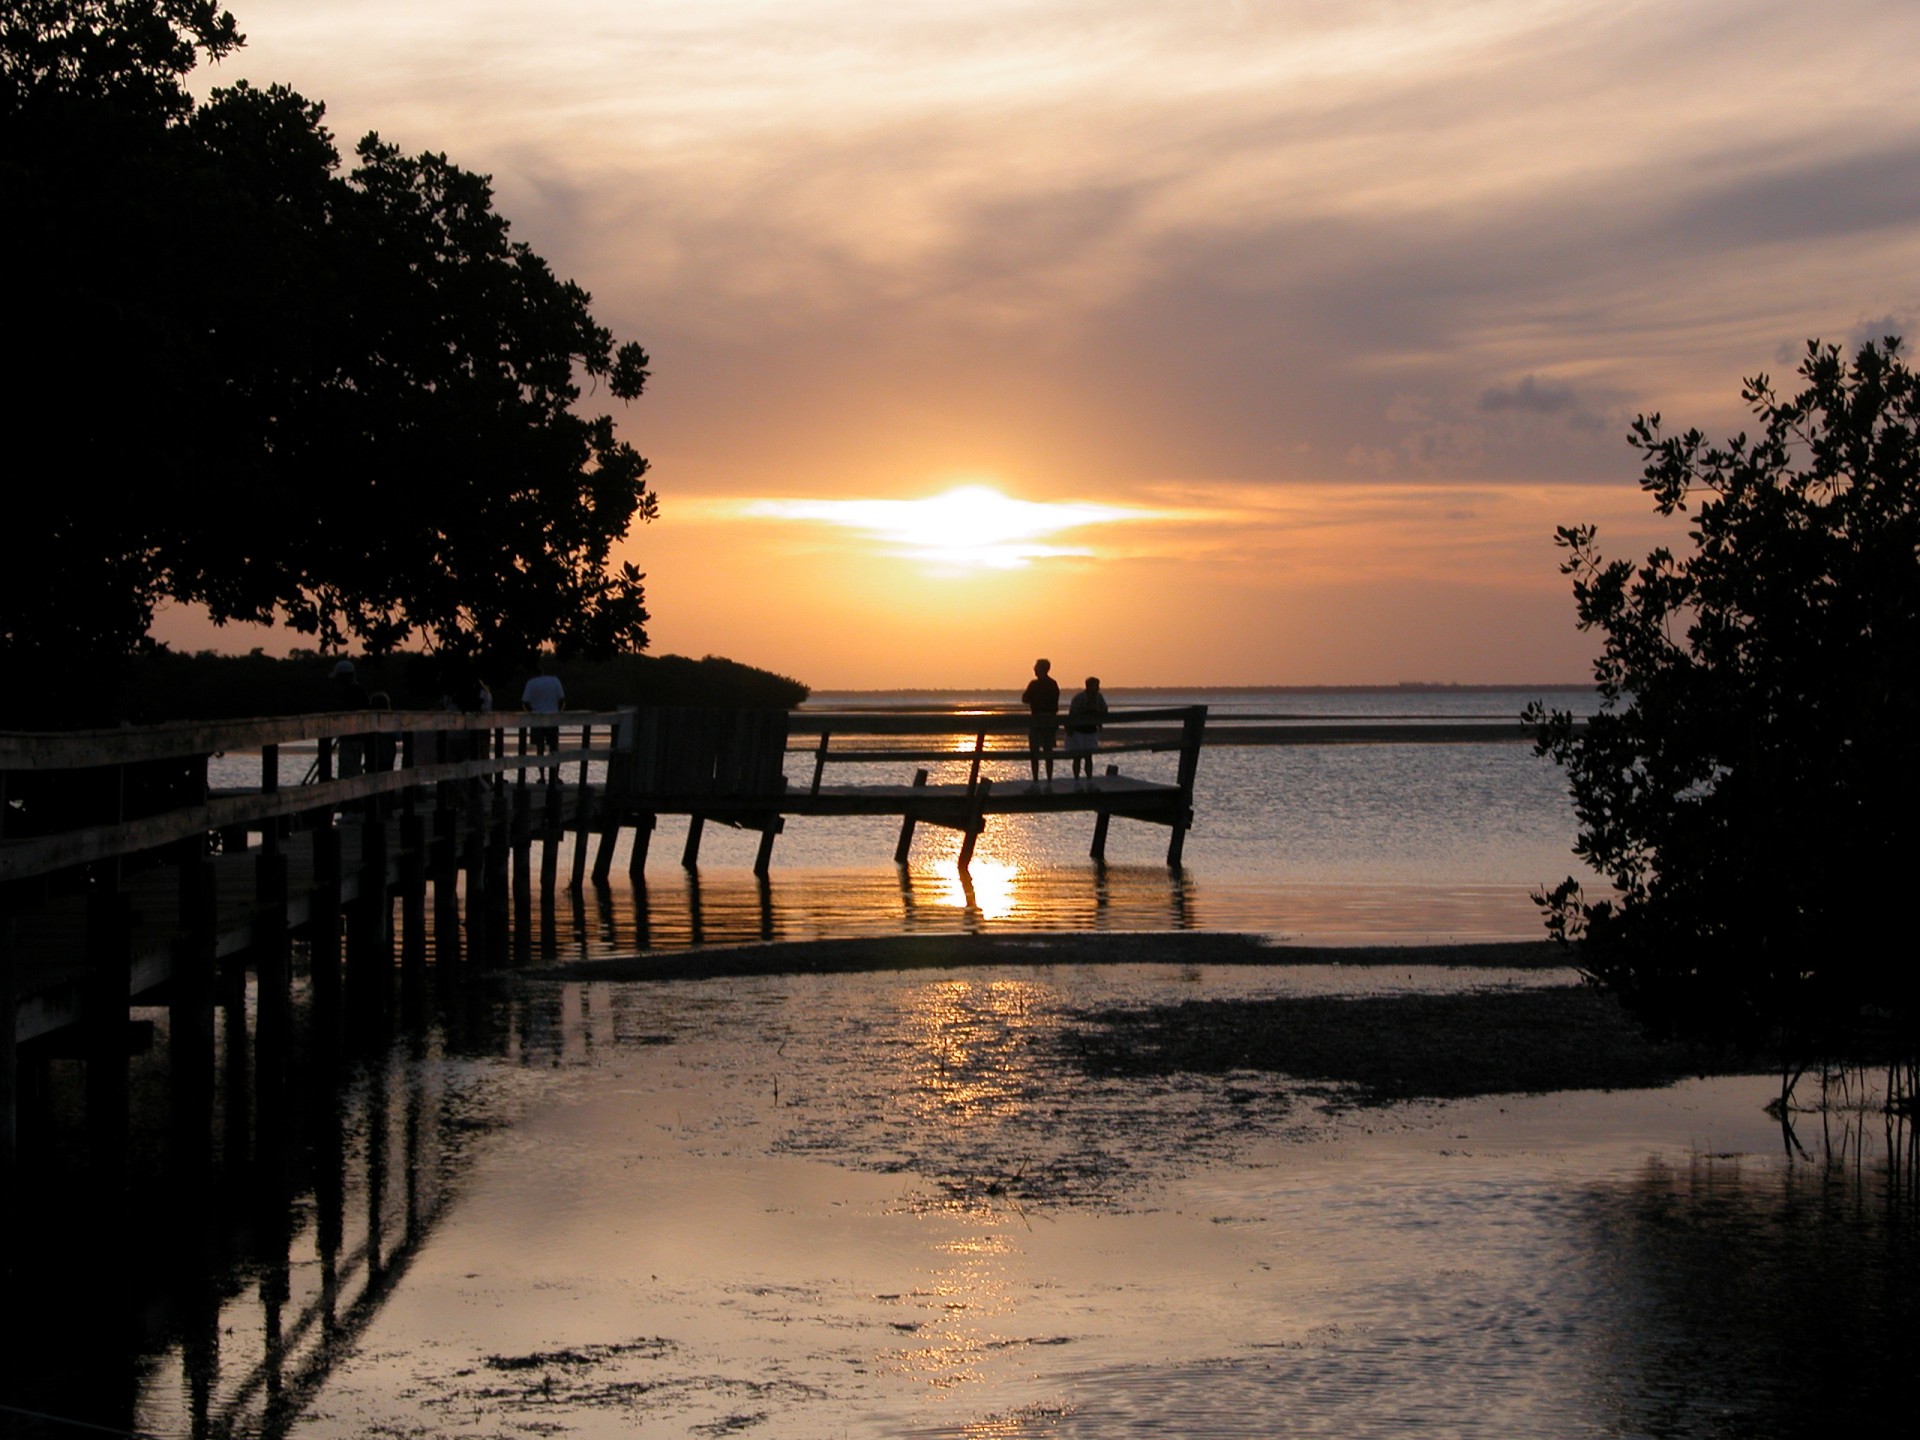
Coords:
970,526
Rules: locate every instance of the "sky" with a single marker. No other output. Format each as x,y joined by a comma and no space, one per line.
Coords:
1265,343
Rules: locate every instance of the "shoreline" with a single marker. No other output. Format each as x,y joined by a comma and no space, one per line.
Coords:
1069,947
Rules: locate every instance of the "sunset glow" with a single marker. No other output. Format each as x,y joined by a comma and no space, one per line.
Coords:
1217,344
971,525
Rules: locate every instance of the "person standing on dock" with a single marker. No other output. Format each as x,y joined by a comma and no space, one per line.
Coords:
544,695
1042,699
1084,715
350,694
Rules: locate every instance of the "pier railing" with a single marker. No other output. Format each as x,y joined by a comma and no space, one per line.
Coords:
1166,728
77,798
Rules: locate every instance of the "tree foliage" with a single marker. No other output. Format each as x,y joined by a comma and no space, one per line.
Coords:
1750,784
258,380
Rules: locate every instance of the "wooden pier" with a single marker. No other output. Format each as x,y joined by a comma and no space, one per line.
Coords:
729,767
126,879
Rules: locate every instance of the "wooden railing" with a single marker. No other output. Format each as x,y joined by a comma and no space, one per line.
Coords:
1167,728
428,748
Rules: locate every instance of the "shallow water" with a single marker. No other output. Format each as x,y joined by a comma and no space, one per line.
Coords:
890,1204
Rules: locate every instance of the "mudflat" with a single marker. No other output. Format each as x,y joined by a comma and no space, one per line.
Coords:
1486,1036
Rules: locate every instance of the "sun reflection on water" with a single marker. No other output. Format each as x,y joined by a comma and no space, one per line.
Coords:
966,1293
972,1064
992,887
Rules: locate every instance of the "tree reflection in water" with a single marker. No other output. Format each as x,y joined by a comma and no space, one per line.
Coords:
1747,1296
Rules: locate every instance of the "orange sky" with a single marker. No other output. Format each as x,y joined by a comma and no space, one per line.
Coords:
1321,315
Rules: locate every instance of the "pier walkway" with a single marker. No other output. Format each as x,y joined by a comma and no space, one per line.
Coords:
127,877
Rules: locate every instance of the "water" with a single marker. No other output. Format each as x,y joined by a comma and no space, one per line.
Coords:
885,1205
897,1205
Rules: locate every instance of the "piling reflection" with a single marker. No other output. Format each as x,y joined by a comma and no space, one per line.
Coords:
679,909
212,1289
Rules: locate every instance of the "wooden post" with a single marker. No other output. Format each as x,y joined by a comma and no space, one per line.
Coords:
1100,820
446,890
521,932
1192,734
979,748
497,919
370,924
550,831
820,760
270,784
583,820
9,1070
522,846
474,858
976,822
763,858
323,931
906,823
190,1015
642,842
690,855
603,856
413,888
109,933
273,1027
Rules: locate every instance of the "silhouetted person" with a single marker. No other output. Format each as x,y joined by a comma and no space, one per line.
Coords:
1084,715
1042,699
349,694
544,695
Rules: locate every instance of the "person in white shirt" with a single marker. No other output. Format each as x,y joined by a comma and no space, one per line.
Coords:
544,695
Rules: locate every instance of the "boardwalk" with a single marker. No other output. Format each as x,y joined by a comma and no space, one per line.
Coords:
125,879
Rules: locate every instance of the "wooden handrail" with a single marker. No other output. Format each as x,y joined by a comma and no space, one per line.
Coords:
958,722
46,854
92,749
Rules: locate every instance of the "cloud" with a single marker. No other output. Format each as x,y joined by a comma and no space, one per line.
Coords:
1104,243
1530,394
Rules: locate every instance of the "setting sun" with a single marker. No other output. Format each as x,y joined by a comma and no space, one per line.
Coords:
971,525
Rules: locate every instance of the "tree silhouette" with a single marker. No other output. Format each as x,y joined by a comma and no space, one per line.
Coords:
343,400
1751,782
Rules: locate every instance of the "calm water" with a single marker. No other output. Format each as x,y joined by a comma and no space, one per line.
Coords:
893,1205
885,1205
